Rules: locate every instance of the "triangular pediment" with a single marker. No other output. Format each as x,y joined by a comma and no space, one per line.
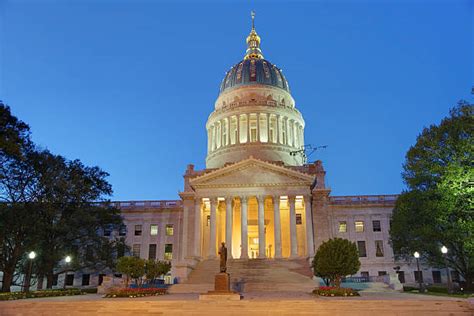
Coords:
252,172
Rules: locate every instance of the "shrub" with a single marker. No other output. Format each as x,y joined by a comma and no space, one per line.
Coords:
39,294
89,291
335,259
138,292
335,291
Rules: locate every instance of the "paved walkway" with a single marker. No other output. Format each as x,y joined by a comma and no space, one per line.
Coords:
252,304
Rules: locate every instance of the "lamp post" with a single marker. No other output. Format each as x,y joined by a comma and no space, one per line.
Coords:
26,284
444,251
67,260
417,257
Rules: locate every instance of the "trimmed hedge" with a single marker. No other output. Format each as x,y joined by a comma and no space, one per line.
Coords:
38,294
137,292
335,291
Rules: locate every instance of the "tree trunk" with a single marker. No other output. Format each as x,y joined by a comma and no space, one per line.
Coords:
49,280
7,279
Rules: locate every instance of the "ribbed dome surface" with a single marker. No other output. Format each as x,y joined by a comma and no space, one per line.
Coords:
254,71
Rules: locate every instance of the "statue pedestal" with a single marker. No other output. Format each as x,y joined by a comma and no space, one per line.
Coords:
221,291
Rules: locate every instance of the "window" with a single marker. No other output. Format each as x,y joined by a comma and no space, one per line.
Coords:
365,274
85,279
299,221
208,221
55,279
152,251
168,251
376,226
101,278
342,227
136,250
455,276
359,226
69,279
123,230
382,273
107,230
138,230
401,276
169,230
418,276
436,277
153,229
379,248
361,248
118,275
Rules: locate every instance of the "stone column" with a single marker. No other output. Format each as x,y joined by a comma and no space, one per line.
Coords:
244,254
237,141
228,226
268,128
258,127
186,211
293,237
197,227
277,227
248,128
309,226
213,230
278,127
261,226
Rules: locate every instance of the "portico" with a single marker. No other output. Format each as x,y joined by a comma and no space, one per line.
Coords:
259,209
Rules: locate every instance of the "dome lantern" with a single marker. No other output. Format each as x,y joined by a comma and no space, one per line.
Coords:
253,42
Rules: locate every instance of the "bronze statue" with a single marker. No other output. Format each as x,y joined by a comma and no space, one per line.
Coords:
223,257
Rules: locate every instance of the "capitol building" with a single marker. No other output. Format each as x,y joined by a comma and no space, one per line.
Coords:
260,196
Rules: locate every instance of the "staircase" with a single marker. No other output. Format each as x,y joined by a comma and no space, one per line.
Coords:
255,275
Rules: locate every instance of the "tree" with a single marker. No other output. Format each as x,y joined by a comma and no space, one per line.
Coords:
156,268
133,267
436,209
335,259
52,205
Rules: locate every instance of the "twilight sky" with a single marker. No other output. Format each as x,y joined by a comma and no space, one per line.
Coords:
128,85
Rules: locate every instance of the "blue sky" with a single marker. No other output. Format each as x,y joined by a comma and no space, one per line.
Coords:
128,85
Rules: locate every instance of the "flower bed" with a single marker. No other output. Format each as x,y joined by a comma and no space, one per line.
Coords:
138,292
335,291
38,294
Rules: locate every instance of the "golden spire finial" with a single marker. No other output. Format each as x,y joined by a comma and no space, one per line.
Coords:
253,42
252,14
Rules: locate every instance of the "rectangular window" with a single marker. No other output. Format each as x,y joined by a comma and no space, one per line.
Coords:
382,273
379,248
361,248
418,276
107,230
455,276
118,275
123,230
86,279
359,226
169,230
299,221
101,278
153,229
69,279
152,251
168,251
138,230
365,274
55,279
342,227
136,250
401,276
376,226
436,277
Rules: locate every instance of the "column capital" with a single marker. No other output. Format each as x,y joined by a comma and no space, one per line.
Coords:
260,198
291,198
228,200
243,199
